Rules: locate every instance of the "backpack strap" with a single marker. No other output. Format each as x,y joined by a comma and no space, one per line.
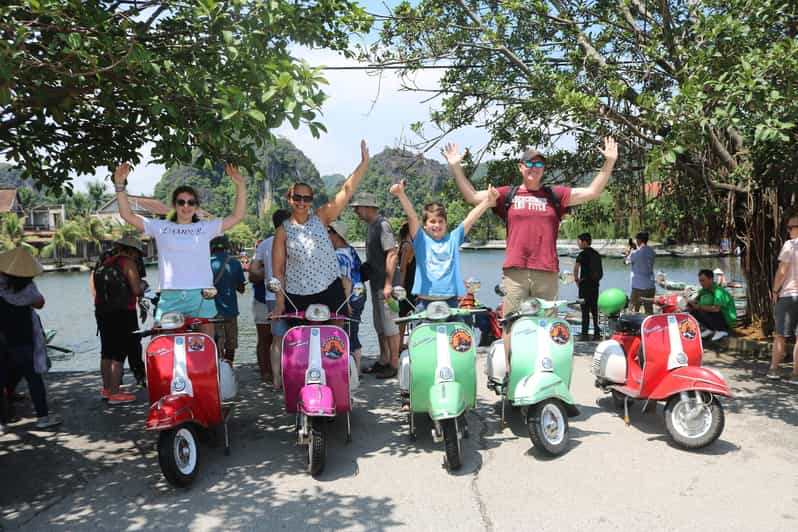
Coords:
555,200
508,200
221,271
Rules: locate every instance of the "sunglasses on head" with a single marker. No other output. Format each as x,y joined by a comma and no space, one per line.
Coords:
534,164
301,197
183,202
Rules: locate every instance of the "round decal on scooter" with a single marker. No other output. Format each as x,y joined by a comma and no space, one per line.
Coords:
559,334
333,347
688,329
461,340
196,343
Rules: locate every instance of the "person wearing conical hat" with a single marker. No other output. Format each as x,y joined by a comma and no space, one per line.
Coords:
22,346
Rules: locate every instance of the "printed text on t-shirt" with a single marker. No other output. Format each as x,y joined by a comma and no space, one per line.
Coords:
531,203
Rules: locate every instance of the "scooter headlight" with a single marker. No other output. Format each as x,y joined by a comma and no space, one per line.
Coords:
681,303
546,363
530,306
317,312
314,376
438,310
446,374
171,320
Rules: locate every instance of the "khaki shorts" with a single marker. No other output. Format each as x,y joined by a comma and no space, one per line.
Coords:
520,284
635,303
383,317
227,335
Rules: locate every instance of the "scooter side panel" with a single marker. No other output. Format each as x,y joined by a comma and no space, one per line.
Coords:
656,347
462,351
203,370
334,345
534,337
160,362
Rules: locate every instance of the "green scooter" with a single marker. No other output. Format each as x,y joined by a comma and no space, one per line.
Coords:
540,373
437,373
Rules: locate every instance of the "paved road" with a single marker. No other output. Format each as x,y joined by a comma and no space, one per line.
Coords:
101,472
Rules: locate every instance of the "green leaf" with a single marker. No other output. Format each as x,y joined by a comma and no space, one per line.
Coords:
257,115
229,114
227,35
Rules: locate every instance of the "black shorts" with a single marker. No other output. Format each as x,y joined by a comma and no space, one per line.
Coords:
116,334
333,296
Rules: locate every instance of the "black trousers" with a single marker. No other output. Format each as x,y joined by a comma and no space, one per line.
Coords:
710,320
589,291
35,385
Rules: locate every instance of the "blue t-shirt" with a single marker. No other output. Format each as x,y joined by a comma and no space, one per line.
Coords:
438,264
349,265
642,260
232,278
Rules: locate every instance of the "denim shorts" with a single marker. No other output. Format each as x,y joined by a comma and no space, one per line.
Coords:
187,302
278,327
787,316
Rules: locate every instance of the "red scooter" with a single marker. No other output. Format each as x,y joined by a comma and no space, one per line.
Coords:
658,358
185,394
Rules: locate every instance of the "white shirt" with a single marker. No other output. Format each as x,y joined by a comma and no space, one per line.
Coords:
789,255
263,253
184,253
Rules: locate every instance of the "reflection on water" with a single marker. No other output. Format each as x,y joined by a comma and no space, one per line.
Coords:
70,311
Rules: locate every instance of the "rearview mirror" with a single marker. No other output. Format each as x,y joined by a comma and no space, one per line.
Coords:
274,285
499,289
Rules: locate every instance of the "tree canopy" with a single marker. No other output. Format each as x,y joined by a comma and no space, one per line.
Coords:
85,84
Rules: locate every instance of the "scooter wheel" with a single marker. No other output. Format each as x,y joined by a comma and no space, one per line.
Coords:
178,455
452,444
548,427
693,426
317,447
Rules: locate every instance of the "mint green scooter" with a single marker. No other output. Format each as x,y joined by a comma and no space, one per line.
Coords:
437,374
540,374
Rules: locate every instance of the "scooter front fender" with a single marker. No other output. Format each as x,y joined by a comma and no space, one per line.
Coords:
540,386
170,411
446,400
316,400
688,378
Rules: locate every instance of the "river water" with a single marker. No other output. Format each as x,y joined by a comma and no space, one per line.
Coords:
70,311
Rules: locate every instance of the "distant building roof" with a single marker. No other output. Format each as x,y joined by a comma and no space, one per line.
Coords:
8,200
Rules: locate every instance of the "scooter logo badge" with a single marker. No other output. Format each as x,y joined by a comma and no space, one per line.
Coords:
461,340
559,334
688,329
333,347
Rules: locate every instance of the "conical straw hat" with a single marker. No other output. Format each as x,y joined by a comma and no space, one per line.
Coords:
20,263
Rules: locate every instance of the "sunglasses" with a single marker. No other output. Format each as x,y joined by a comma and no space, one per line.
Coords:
182,202
301,197
534,164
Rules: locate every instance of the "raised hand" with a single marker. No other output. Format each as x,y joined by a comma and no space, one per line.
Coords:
364,152
397,189
452,154
121,173
493,196
234,174
610,151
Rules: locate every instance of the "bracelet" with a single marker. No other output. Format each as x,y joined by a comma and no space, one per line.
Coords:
119,188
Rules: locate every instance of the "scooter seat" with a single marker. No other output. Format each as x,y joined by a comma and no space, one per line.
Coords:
631,323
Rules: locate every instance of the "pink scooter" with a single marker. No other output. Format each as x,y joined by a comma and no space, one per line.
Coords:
318,374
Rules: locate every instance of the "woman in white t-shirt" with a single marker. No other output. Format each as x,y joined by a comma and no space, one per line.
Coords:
303,258
184,260
785,298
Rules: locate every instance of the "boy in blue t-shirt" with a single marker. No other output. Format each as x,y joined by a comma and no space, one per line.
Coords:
437,252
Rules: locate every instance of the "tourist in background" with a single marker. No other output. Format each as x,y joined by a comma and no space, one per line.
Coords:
785,297
228,278
643,282
713,307
587,274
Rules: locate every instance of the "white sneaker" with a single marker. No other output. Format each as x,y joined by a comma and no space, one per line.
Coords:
718,335
706,333
48,421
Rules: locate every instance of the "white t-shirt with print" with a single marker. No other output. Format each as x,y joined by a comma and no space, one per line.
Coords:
184,254
789,255
263,253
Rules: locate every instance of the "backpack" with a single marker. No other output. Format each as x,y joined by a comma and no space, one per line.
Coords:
555,201
111,287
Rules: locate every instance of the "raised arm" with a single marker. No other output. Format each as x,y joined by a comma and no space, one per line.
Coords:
584,194
329,212
398,190
470,195
278,268
491,195
241,198
120,180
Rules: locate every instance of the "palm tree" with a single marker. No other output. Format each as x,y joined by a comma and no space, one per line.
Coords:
64,238
12,233
97,194
92,231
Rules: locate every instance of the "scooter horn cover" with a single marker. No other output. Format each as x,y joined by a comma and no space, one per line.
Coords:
612,301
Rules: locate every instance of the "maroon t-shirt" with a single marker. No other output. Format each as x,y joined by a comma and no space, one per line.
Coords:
532,229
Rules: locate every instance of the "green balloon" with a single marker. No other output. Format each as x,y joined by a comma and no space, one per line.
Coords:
612,301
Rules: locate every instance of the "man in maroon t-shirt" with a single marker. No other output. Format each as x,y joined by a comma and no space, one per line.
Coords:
531,267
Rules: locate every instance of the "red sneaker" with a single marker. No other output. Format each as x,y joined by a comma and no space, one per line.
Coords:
105,394
121,399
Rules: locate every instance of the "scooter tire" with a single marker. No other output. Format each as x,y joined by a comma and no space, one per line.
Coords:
712,433
317,447
451,443
179,455
551,439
